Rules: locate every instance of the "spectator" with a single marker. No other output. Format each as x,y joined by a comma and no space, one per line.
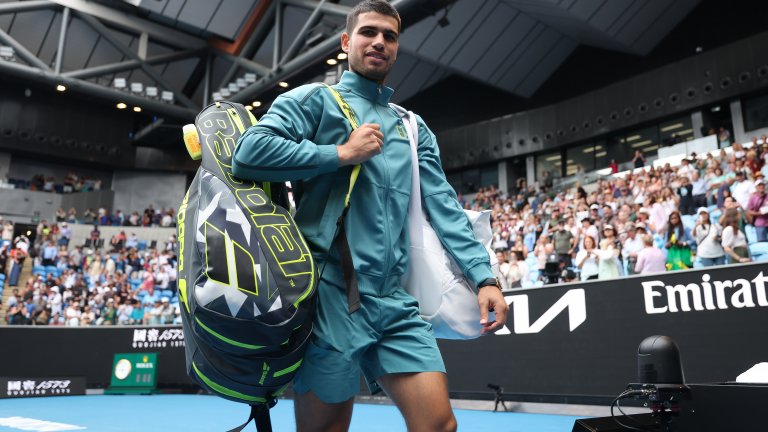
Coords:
608,257
757,209
678,243
633,244
65,234
587,260
735,241
564,243
650,259
639,159
708,238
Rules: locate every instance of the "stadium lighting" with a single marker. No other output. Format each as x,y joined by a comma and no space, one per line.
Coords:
250,78
283,84
61,88
137,87
136,109
166,96
121,105
120,83
256,104
342,56
151,92
332,61
671,127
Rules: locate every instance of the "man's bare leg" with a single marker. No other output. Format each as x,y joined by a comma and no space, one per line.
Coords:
422,399
312,414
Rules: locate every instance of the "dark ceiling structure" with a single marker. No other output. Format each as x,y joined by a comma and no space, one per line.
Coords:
460,60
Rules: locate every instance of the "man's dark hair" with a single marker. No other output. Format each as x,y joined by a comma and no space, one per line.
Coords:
379,6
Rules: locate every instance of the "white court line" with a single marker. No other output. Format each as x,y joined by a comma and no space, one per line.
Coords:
28,424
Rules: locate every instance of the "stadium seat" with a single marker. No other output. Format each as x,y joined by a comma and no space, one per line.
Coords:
166,293
763,257
142,245
689,221
2,276
758,249
38,270
751,233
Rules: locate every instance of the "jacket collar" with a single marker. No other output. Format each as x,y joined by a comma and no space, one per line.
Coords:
373,91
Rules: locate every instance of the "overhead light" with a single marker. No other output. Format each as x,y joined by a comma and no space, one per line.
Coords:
225,93
232,87
151,92
601,154
651,148
332,61
685,132
241,83
633,138
61,88
136,109
121,105
249,108
7,53
166,96
588,150
119,83
642,143
137,87
716,108
256,104
217,96
672,127
553,158
283,84
250,78
342,56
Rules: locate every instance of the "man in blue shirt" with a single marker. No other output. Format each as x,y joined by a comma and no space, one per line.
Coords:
306,139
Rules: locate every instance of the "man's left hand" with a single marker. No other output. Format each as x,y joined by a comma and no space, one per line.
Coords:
490,298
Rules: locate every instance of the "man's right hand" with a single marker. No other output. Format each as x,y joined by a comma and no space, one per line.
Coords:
364,143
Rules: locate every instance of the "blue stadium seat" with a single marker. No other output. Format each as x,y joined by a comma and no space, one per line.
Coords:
166,293
142,245
2,276
38,270
751,233
758,249
689,221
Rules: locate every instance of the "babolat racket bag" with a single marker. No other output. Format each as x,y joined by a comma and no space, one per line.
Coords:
245,275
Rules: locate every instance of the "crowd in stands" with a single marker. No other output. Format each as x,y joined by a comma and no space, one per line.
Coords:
148,218
711,209
71,183
122,282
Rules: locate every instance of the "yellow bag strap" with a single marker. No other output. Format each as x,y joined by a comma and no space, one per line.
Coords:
350,115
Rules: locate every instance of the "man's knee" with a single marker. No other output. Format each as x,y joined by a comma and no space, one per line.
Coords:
444,423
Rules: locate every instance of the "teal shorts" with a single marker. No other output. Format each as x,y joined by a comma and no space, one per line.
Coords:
385,336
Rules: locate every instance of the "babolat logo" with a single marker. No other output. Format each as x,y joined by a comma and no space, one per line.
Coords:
574,301
707,295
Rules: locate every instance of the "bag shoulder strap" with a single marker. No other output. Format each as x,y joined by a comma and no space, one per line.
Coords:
342,244
414,205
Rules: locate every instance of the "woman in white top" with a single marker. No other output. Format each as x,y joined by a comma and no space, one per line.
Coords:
735,242
708,236
587,259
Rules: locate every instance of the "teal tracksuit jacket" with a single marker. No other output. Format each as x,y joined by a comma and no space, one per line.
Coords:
296,141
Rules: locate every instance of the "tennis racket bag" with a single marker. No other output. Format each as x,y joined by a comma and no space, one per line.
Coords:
246,277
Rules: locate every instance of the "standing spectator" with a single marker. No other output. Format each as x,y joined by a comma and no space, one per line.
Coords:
564,243
613,166
685,194
757,209
708,238
650,259
50,253
639,159
65,234
724,137
633,244
587,260
700,186
742,188
735,241
679,243
609,234
607,265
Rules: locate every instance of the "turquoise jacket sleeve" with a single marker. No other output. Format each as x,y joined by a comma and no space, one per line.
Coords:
446,215
279,147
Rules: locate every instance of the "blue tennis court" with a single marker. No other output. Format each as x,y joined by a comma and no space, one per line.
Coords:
107,413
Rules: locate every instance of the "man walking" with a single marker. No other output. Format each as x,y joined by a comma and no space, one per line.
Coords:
306,139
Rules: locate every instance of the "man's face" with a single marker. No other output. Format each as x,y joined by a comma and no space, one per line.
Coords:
372,46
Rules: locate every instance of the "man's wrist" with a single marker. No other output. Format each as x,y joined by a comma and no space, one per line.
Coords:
490,282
